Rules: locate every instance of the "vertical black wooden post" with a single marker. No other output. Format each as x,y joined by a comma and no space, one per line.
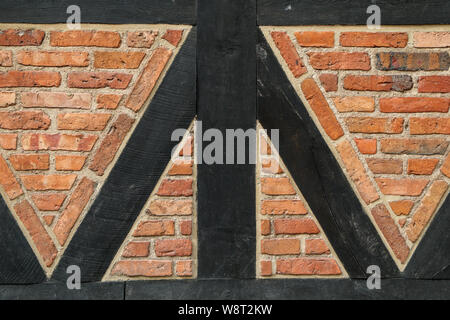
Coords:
226,100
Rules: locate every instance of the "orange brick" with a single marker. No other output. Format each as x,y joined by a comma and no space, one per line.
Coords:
414,104
385,166
434,84
175,188
271,166
7,99
184,268
278,207
378,83
329,81
56,100
401,187
401,207
414,146
29,79
280,246
432,39
24,162
136,249
289,54
295,226
188,148
37,141
48,182
141,39
186,227
5,58
96,80
374,125
79,38
108,101
48,202
266,268
53,58
264,146
354,104
24,120
170,208
429,125
8,141
315,39
16,37
117,59
316,246
265,227
181,167
445,169
374,39
339,60
155,228
83,121
366,146
147,268
173,247
173,36
48,219
8,181
69,163
277,186
422,166
308,266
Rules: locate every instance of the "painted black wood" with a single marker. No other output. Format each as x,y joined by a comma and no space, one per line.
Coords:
351,12
316,171
136,172
18,263
226,100
99,11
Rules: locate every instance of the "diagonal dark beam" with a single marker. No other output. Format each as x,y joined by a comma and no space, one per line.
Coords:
316,172
136,172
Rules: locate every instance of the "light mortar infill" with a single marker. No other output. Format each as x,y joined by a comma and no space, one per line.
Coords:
144,216
310,214
313,73
52,113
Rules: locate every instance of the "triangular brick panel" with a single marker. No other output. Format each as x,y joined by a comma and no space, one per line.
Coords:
380,99
68,102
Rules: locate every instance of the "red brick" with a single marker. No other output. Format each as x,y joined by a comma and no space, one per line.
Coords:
414,146
5,58
53,58
280,246
67,142
147,268
265,227
8,141
148,79
354,104
321,109
48,182
289,54
184,268
401,187
277,186
83,121
402,207
56,100
413,61
315,39
391,232
24,162
155,228
429,125
108,101
378,83
69,163
29,79
24,120
366,146
141,39
426,210
414,104
111,143
188,148
186,227
176,188
173,36
374,39
172,248
48,219
357,173
77,202
271,166
316,246
136,249
181,167
266,268
308,266
445,169
48,202
8,181
17,37
422,166
374,125
40,237
81,38
170,208
434,84
329,81
264,146
339,60
432,39
118,59
278,207
385,166
7,99
295,226
95,80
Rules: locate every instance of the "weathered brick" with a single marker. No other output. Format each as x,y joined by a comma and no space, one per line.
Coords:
24,120
295,226
186,227
118,59
17,37
83,121
434,84
48,219
183,268
8,141
401,187
366,146
329,81
29,79
7,99
173,36
280,246
148,79
422,166
323,39
289,54
5,58
56,100
414,146
277,186
432,39
374,39
136,249
147,268
414,104
40,237
81,38
385,166
53,58
265,227
374,125
141,39
176,188
95,80
357,173
271,166
48,182
24,162
308,266
8,181
402,207
173,247
69,163
266,268
181,167
378,83
391,232
188,148
77,202
413,61
278,207
316,246
170,207
445,169
339,60
321,108
108,101
155,228
354,104
111,143
48,202
427,208
67,142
